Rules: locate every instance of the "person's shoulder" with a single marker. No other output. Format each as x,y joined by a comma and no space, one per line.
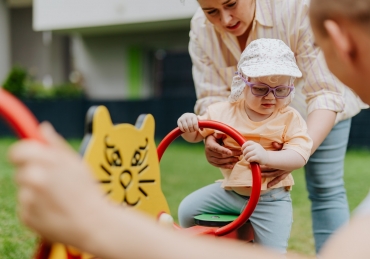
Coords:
296,3
290,6
198,18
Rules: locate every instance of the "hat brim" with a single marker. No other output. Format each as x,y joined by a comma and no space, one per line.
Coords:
271,70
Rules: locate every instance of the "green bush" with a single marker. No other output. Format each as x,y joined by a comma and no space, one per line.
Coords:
15,83
37,90
67,90
21,84
63,91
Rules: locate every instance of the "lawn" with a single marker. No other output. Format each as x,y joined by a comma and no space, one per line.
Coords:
184,169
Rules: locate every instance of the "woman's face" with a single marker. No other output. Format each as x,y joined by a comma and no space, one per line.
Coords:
233,16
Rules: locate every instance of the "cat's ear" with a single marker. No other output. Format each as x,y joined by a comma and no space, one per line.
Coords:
146,122
97,120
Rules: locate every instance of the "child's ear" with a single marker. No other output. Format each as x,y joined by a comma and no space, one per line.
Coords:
341,40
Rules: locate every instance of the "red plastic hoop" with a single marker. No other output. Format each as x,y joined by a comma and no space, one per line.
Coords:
19,117
256,171
25,125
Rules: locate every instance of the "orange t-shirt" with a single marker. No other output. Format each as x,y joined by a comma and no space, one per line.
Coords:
283,126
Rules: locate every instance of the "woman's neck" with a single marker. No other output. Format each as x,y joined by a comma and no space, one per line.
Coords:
242,40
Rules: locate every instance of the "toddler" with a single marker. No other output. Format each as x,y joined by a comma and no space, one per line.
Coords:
258,108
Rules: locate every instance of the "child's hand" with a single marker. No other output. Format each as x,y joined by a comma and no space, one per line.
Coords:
188,122
254,152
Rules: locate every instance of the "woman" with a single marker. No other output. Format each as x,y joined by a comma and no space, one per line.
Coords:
220,30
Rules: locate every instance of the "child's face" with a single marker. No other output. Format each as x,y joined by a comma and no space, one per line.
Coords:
267,104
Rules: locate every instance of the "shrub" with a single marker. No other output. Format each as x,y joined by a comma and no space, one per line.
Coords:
67,90
20,84
15,83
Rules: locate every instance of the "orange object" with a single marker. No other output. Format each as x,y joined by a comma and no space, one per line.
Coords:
19,117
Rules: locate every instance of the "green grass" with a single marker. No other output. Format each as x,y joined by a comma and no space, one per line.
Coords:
184,169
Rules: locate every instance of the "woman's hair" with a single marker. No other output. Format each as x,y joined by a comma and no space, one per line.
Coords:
355,10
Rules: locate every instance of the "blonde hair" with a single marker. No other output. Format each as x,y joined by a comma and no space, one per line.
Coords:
357,11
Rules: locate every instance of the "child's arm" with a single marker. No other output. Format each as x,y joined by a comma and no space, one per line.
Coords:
188,123
283,159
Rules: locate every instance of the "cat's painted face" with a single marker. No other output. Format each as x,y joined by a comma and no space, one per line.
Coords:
125,162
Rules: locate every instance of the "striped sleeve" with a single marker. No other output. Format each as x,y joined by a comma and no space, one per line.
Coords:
321,88
210,87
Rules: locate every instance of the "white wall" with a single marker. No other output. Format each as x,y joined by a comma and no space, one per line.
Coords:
4,41
101,64
69,14
42,53
102,60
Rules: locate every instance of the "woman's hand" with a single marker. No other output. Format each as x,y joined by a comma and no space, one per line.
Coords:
218,155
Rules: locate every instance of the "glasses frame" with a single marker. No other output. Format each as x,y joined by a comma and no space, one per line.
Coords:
271,89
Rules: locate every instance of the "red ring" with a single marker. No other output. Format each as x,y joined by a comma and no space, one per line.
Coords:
19,117
256,171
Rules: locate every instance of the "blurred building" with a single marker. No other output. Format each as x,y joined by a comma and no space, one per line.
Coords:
118,49
45,55
130,55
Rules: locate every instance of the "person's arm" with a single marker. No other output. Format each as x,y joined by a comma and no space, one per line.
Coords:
295,150
288,160
319,125
210,86
59,199
188,123
351,241
56,193
324,93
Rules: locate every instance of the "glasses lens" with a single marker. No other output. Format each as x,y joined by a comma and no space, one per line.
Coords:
260,90
282,91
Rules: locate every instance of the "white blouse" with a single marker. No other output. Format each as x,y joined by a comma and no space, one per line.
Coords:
215,55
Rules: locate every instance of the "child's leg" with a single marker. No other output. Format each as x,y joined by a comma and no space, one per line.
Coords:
210,199
272,219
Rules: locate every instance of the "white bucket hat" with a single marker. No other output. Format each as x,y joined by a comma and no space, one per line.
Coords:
263,57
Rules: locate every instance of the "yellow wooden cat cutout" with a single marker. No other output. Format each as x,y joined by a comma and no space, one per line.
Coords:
124,161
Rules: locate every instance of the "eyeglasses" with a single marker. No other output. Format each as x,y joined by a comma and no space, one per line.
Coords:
261,89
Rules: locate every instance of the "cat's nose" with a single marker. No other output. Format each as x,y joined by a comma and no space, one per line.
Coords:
126,178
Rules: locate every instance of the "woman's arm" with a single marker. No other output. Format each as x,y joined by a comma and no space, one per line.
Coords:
210,86
324,94
319,125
